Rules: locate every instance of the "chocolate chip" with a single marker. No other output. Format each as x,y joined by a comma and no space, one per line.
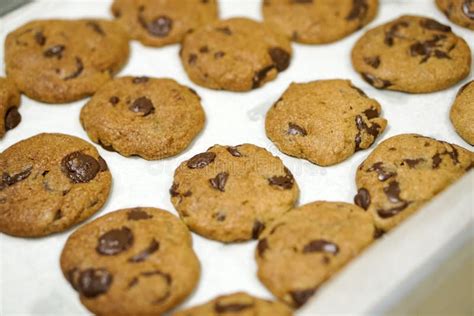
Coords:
412,163
433,25
371,113
257,229
436,161
174,190
362,198
115,241
201,160
114,100
204,50
230,308
12,118
468,9
392,33
393,192
138,80
192,59
138,214
79,167
373,130
262,246
296,130
8,180
428,49
78,71
234,151
40,38
260,75
142,105
373,62
280,57
160,26
359,10
54,51
219,55
285,182
376,82
321,245
153,247
392,211
58,215
96,28
225,30
382,173
378,233
102,164
300,297
219,181
91,282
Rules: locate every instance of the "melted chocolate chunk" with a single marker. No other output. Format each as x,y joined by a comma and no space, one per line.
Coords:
40,38
260,76
12,118
373,130
412,163
373,62
8,180
468,9
321,245
376,82
393,192
382,174
224,30
138,214
114,100
362,198
79,167
142,105
296,130
392,33
234,151
434,25
115,241
257,229
91,282
55,51
436,160
78,71
231,308
96,27
359,10
204,50
371,113
201,160
174,190
262,246
392,211
280,57
219,181
160,26
429,48
285,182
138,80
144,254
102,164
300,297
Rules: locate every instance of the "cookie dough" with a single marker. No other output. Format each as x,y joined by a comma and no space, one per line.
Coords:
231,194
9,103
460,12
324,121
50,182
462,113
412,54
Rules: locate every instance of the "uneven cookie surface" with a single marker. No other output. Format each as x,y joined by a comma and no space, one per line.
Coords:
58,61
462,113
50,182
460,12
306,246
9,103
412,54
135,261
159,23
324,121
318,21
152,118
240,304
231,193
404,172
238,54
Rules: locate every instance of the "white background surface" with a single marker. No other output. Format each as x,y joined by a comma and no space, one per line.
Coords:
31,282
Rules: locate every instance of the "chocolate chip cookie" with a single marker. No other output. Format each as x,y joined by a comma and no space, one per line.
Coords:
136,261
318,21
159,23
324,121
148,117
460,12
9,103
58,61
309,244
462,113
238,54
231,193
412,54
404,172
50,182
238,304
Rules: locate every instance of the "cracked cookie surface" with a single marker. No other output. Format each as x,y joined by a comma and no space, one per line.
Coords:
10,117
460,12
324,121
412,54
136,261
50,182
462,113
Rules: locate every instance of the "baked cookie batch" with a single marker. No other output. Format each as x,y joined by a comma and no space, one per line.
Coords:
140,261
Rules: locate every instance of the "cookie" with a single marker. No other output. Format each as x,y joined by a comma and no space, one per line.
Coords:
58,61
404,172
318,21
50,182
159,23
231,193
9,103
137,261
151,118
305,247
238,54
460,12
412,54
241,304
462,113
324,121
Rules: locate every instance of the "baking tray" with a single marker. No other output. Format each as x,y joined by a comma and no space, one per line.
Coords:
31,282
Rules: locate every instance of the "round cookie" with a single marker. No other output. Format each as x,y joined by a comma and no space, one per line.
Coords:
412,54
50,182
306,246
460,12
324,121
231,193
58,61
151,118
318,21
239,303
404,172
9,103
462,113
159,23
136,261
238,54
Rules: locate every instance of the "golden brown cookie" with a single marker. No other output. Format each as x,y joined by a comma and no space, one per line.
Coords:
58,61
159,23
240,304
412,54
318,21
231,193
306,246
462,113
50,182
404,172
148,117
9,103
137,261
460,12
324,121
238,54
